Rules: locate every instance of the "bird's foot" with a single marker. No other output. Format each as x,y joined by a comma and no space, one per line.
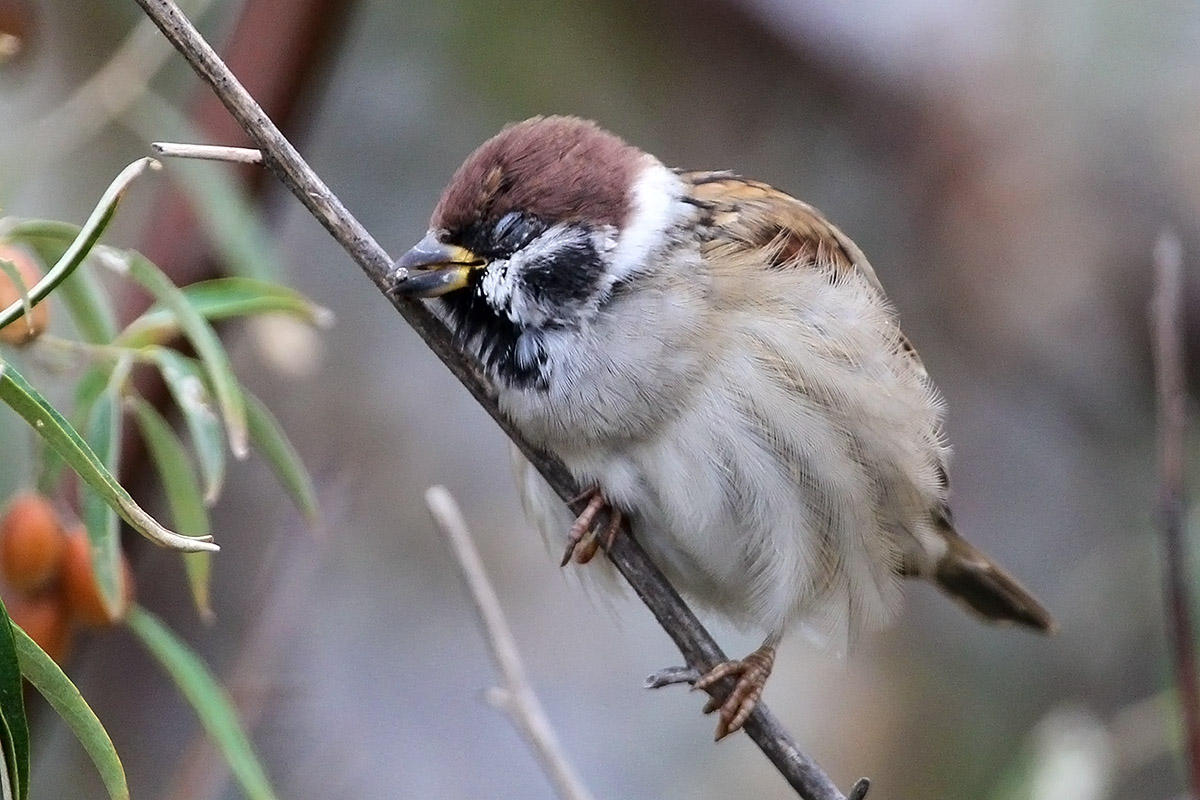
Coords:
751,673
583,542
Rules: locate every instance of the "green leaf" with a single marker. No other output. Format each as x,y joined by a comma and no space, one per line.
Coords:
13,725
186,384
89,234
212,704
223,298
48,238
89,307
269,439
41,671
208,348
88,389
16,392
82,293
103,430
183,496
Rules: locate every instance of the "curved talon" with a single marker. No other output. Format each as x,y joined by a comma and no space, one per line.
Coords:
752,673
570,551
582,542
587,548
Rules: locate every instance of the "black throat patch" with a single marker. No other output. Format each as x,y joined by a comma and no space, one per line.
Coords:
557,292
509,352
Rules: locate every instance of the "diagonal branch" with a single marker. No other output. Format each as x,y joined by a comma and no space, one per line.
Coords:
694,642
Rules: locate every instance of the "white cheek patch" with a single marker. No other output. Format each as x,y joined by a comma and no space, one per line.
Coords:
501,283
497,285
656,208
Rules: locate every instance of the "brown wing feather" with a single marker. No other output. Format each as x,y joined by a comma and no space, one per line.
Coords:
761,217
758,217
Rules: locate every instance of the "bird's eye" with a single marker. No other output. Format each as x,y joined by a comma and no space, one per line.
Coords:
506,225
514,230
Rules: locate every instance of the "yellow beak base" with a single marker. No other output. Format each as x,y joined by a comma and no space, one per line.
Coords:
432,268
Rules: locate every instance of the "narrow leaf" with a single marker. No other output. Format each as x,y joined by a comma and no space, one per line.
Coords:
89,307
16,392
6,789
41,671
212,704
13,725
208,347
89,234
186,384
269,439
87,390
48,238
222,298
183,495
103,430
82,294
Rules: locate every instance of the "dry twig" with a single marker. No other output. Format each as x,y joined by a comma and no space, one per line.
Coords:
516,696
207,152
1166,321
694,642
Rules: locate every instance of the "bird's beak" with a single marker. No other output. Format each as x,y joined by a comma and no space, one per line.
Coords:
432,268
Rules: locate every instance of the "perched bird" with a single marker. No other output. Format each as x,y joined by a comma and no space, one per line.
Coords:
720,366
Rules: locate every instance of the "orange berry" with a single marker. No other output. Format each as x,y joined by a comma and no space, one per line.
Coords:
18,21
44,617
27,328
31,542
79,583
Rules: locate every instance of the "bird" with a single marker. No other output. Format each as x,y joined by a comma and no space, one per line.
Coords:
719,365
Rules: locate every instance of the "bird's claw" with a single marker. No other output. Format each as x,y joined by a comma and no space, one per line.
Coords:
751,673
582,541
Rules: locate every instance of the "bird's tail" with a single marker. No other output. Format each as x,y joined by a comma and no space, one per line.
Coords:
984,587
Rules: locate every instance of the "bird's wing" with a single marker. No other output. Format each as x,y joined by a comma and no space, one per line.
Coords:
760,217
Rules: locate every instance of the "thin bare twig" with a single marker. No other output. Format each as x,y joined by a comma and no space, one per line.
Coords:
694,642
1166,321
516,696
207,152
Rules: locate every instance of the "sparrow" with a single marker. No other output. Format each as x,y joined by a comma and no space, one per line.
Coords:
719,364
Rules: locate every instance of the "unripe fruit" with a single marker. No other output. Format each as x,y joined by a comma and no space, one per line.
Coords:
31,543
80,587
44,617
30,326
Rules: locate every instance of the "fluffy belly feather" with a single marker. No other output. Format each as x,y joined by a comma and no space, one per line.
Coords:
765,524
784,478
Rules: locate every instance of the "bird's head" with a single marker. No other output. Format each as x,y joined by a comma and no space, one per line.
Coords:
535,232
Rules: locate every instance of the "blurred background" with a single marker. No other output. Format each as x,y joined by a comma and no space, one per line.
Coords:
1005,164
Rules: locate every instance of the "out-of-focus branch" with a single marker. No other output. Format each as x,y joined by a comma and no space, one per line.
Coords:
516,697
696,644
1166,323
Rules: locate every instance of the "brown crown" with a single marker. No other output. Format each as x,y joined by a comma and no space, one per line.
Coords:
560,169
